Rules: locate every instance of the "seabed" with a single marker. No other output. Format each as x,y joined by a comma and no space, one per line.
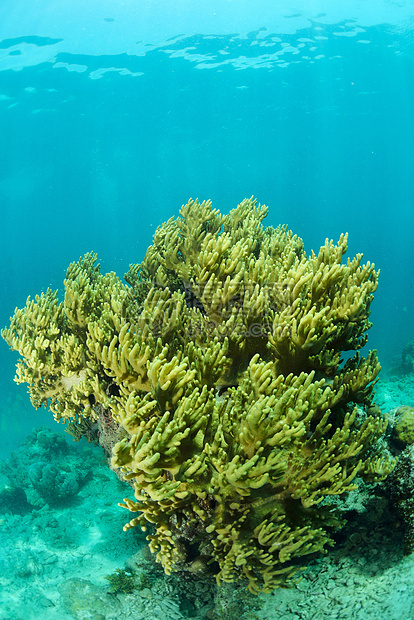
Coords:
59,558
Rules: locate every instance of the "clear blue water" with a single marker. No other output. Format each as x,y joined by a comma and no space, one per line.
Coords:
113,115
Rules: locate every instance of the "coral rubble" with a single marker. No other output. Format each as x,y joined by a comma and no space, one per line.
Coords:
214,380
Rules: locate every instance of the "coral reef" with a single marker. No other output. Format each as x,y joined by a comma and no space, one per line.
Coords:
214,380
12,499
46,470
403,367
403,426
407,358
121,580
401,489
54,482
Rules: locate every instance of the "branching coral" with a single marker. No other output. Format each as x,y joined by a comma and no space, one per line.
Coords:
215,379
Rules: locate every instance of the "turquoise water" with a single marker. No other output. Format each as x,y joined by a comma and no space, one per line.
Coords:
106,134
113,114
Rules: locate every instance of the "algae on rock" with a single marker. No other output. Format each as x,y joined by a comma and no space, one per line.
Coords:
214,381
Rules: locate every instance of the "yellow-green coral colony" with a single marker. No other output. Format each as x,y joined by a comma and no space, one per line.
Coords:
214,378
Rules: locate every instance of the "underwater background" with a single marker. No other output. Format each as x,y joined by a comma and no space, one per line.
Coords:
113,114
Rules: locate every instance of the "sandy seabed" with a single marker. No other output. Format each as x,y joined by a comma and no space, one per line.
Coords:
55,559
